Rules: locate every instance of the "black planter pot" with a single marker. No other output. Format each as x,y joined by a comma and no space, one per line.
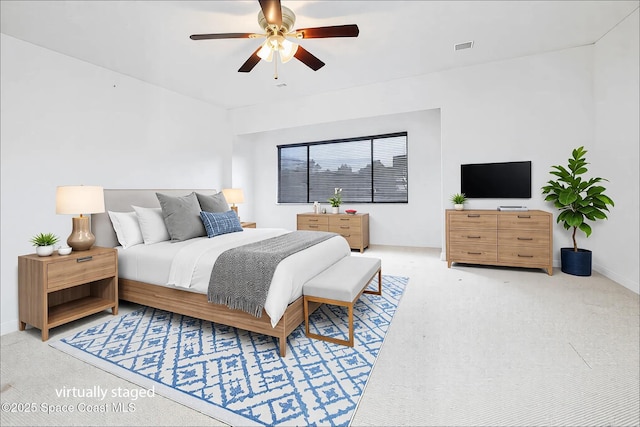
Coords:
575,263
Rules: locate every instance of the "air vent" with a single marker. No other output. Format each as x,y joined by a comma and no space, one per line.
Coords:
281,85
465,45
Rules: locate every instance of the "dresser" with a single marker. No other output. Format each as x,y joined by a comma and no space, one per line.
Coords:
354,228
514,239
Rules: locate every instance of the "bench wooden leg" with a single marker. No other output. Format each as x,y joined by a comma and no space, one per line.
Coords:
349,306
379,291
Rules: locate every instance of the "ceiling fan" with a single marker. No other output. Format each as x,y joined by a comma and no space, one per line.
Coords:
277,22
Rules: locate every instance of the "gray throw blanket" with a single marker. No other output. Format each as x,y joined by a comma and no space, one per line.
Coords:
241,276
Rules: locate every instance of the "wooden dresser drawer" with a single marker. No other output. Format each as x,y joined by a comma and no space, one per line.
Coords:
480,254
345,220
315,220
525,238
471,237
74,271
474,220
523,255
523,221
313,227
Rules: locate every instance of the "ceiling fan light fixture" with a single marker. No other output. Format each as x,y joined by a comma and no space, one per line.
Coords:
287,50
266,53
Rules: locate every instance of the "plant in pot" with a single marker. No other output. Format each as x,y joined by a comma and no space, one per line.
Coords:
44,243
336,200
458,201
578,201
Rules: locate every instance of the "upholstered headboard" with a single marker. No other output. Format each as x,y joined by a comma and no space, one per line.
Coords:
121,201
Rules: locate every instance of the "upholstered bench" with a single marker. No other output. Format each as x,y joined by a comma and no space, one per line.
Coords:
342,284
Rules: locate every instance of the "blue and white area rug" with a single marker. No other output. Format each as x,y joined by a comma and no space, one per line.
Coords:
238,377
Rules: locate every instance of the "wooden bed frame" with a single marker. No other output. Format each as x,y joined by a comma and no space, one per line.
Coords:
185,302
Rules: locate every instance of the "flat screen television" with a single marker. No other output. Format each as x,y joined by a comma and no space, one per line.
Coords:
507,180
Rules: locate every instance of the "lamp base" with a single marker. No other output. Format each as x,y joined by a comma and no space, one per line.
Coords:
81,238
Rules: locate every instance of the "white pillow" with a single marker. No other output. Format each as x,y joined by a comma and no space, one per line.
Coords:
127,228
152,224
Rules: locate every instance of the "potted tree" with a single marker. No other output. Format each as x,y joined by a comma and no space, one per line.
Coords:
458,201
578,201
44,243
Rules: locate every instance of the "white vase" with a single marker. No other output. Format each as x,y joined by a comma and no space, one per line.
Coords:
335,209
44,250
458,206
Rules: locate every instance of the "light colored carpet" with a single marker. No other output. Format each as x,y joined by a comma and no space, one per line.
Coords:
468,346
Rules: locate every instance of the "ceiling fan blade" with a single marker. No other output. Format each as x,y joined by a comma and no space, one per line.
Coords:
251,62
308,59
220,36
325,32
272,11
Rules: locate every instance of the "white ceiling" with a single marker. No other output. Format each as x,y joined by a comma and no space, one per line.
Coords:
149,40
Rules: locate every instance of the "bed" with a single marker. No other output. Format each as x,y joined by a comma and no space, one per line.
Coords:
150,274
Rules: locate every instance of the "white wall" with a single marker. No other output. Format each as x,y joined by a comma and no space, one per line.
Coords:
616,156
406,224
534,108
66,122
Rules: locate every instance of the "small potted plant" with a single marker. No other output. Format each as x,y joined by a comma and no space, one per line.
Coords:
336,200
44,243
458,201
578,201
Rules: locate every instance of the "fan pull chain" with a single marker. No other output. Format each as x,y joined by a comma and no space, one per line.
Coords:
275,66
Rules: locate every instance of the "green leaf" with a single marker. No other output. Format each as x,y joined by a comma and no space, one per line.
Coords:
585,227
567,197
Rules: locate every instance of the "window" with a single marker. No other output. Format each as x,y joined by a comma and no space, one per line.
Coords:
368,169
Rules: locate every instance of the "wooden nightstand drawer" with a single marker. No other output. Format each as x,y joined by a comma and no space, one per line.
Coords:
81,269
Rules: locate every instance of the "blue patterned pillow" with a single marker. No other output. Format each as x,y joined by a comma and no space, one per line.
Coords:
220,223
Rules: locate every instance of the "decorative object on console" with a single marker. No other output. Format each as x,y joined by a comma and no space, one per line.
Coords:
79,200
44,243
577,201
350,211
336,200
458,201
233,196
64,251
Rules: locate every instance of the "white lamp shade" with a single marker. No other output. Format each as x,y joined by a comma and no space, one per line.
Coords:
233,195
79,199
288,51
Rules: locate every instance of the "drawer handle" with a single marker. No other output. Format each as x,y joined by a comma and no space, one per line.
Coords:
524,216
473,215
344,219
344,226
84,259
525,256
313,226
346,235
474,237
474,253
525,238
314,220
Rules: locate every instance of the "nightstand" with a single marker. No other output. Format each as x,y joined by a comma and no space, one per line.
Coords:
248,224
58,289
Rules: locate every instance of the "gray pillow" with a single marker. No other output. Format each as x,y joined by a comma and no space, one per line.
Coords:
182,216
215,203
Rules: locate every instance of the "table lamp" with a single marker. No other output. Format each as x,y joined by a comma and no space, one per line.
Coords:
79,200
233,196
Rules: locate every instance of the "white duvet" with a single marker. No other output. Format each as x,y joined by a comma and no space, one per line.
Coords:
188,264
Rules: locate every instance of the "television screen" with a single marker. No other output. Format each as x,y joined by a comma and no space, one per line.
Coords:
508,180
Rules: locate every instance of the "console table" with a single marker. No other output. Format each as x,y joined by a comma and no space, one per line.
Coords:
354,228
514,239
